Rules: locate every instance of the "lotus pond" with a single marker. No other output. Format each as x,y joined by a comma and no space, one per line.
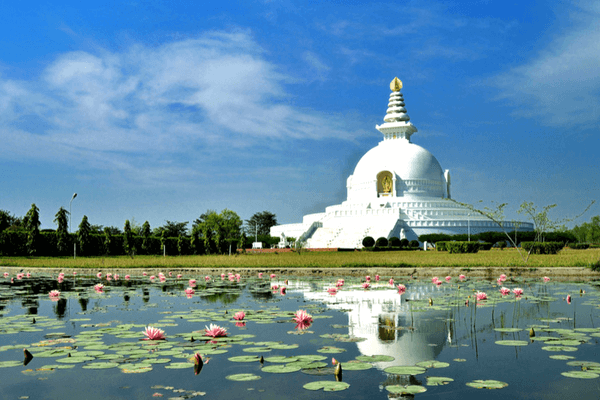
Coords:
437,339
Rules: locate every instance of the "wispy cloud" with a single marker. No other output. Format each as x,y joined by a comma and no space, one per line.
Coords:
118,110
560,86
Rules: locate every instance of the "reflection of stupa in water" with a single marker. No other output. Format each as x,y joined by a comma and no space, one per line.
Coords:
398,189
385,319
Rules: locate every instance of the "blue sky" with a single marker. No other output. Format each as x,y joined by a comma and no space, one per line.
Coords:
162,110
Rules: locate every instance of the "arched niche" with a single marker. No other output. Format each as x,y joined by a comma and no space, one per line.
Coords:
385,184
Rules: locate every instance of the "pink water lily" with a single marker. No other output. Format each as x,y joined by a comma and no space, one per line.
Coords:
435,279
99,288
127,277
179,276
215,331
222,276
546,279
260,275
502,277
240,315
366,285
518,292
282,290
391,281
154,333
6,274
54,294
480,296
207,278
461,277
275,287
499,282
377,278
568,299
273,276
144,273
448,278
332,290
439,283
192,283
504,291
368,278
198,363
334,361
99,275
401,289
190,291
302,319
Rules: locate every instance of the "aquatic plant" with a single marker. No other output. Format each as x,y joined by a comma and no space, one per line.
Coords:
215,331
154,333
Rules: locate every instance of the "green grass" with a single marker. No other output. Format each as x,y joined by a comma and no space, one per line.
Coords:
358,259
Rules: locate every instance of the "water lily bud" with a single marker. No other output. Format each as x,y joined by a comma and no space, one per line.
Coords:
531,333
430,301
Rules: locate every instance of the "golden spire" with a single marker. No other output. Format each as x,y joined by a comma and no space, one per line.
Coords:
396,85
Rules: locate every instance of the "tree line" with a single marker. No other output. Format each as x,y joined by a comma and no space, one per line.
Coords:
210,233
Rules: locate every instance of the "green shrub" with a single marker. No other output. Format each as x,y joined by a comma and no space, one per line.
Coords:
595,266
462,247
381,242
441,246
485,246
542,247
414,243
579,246
394,242
404,242
368,242
501,244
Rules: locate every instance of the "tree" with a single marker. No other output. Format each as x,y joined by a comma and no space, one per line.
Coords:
7,221
172,229
261,221
83,234
62,232
218,229
588,232
107,240
33,228
145,234
128,243
542,223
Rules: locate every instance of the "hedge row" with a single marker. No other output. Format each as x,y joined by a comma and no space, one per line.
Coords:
542,247
579,246
14,243
456,247
494,237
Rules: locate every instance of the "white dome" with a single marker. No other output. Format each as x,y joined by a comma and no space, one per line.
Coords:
413,170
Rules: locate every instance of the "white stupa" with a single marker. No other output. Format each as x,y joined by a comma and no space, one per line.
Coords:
398,189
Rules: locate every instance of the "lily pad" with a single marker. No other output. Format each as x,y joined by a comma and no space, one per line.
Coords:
487,384
375,358
438,380
242,377
327,386
244,359
179,365
408,389
405,370
580,374
512,342
433,364
100,365
281,369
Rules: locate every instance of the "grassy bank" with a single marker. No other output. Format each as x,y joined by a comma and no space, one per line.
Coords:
492,258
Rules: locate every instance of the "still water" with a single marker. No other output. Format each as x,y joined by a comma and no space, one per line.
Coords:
89,344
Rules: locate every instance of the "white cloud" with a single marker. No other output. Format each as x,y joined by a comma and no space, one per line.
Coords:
560,86
117,110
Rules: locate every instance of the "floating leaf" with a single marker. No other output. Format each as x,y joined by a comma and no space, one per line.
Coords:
281,369
580,374
559,348
244,358
512,342
356,366
375,358
242,377
405,370
100,365
327,386
179,365
408,389
561,357
487,384
508,330
432,364
438,380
